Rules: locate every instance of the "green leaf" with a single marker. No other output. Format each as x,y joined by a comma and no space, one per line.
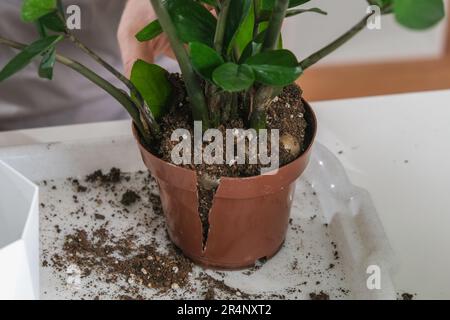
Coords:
296,3
35,9
21,60
41,29
204,59
152,83
150,32
47,64
275,68
233,77
237,14
194,23
419,14
255,45
53,21
244,34
49,58
252,48
265,14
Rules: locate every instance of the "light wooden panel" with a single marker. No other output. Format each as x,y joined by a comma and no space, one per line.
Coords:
358,80
338,82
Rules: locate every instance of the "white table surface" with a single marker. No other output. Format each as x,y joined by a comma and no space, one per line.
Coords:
397,147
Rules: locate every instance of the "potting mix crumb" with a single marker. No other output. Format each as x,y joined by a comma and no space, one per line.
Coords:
95,245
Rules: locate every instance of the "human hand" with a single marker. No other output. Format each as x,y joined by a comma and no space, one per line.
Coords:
136,15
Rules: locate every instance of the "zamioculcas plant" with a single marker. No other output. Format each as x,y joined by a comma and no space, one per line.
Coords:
234,68
238,52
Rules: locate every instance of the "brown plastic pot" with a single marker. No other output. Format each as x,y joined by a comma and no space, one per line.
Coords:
249,217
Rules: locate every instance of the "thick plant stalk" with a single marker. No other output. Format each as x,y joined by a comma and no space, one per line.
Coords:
216,99
276,22
193,88
146,114
322,53
101,61
261,103
263,95
221,26
116,93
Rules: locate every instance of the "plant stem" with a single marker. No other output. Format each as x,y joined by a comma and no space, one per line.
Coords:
221,26
322,53
146,113
276,22
116,93
195,92
263,94
101,61
261,102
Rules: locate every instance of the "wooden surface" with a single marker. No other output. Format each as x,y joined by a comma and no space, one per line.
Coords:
349,81
360,80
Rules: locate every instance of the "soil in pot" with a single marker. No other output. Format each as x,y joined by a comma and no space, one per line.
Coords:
286,113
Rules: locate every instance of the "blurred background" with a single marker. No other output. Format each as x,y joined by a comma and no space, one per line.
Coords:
375,62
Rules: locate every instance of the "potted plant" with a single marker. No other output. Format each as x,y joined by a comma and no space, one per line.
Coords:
236,78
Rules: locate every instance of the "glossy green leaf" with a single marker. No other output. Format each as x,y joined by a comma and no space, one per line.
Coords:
49,58
252,49
237,15
265,14
193,21
152,83
47,64
255,45
277,68
53,21
244,34
204,59
35,9
233,77
296,3
149,32
21,60
419,14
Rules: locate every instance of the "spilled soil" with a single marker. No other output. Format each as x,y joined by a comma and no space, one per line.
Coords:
95,247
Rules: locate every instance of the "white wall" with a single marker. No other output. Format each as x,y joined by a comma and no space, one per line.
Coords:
306,33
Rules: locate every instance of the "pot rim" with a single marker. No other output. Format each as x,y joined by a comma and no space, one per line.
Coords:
249,179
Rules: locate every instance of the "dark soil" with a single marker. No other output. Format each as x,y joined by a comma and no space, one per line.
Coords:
286,113
114,257
156,204
129,198
210,294
113,176
407,296
319,296
205,198
123,259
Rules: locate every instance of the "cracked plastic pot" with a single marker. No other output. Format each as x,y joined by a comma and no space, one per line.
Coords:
249,217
